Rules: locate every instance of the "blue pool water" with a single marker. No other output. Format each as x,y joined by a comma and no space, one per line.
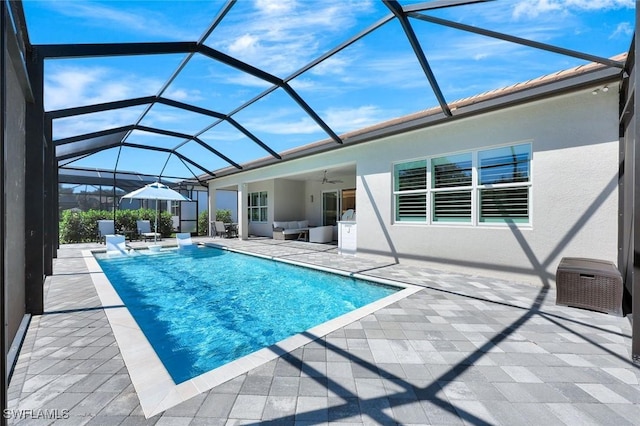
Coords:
203,308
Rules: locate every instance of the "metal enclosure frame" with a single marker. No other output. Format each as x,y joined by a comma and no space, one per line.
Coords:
43,162
629,194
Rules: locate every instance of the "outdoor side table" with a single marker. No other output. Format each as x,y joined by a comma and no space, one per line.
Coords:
590,284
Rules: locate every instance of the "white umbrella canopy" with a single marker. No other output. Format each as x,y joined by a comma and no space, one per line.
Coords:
156,191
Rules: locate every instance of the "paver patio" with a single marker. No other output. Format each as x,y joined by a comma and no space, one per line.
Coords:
464,350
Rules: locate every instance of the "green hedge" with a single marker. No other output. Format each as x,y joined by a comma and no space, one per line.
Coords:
78,227
223,215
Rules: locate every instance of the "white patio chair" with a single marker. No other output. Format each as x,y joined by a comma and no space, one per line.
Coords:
144,230
105,227
184,240
116,245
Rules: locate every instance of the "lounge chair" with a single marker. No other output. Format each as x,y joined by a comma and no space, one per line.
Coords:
116,245
144,230
184,240
105,227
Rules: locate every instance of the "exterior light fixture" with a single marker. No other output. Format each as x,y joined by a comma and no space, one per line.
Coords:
595,91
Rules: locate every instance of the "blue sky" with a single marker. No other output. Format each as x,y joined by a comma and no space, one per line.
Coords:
373,80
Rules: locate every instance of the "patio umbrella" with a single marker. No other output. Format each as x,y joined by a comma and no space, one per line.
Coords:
156,191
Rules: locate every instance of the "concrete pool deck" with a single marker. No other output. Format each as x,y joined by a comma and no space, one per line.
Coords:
463,350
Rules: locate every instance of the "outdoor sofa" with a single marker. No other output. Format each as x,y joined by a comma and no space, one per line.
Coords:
290,230
321,234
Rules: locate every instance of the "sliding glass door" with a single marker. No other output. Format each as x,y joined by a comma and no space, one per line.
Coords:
335,203
330,208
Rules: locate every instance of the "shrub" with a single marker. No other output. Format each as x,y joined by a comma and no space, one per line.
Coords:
78,227
203,223
71,227
90,220
222,215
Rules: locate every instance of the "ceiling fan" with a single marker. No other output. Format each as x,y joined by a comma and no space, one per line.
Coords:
326,180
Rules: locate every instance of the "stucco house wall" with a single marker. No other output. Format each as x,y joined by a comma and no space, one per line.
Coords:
574,172
574,200
289,196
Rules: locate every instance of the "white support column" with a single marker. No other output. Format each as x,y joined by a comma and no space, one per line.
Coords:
212,208
243,221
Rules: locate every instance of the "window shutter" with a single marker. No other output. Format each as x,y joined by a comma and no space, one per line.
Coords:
504,204
452,206
411,176
410,185
411,207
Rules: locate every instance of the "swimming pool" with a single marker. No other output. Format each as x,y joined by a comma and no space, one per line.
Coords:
203,308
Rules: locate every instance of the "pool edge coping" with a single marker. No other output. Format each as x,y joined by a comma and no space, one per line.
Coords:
155,388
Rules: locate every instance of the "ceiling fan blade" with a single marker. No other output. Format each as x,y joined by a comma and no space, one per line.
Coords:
326,180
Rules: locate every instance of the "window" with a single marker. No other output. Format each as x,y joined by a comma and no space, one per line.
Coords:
175,208
257,206
488,186
504,184
411,191
452,186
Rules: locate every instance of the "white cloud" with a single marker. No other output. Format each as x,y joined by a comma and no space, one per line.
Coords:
144,20
275,6
71,126
281,37
336,65
282,121
184,95
71,86
623,29
347,119
290,122
534,8
246,44
218,134
68,86
342,74
247,80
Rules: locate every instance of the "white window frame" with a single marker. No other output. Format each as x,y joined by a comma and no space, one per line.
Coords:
527,184
259,206
467,188
411,192
476,188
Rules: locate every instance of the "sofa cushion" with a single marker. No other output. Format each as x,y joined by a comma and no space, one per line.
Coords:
294,225
290,231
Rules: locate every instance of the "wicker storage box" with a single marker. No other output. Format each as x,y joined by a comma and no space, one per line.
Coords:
590,284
